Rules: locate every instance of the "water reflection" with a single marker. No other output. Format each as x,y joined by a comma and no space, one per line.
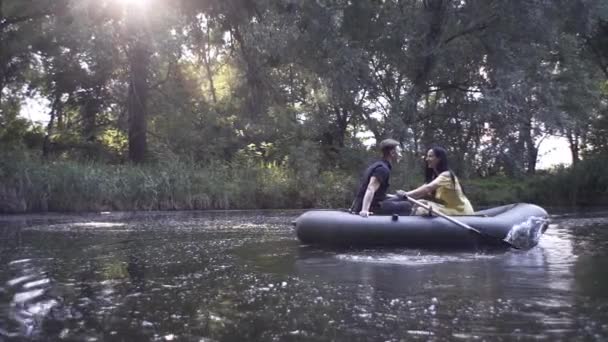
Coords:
31,300
243,276
537,286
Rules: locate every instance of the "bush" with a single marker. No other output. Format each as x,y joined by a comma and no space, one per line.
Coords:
494,191
583,185
29,184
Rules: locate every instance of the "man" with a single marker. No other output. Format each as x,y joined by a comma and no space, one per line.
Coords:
371,195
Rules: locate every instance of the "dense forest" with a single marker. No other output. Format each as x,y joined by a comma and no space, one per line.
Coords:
217,104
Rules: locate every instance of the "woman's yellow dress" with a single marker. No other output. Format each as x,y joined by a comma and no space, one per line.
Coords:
450,195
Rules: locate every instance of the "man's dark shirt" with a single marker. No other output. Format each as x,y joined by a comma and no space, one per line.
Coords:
382,171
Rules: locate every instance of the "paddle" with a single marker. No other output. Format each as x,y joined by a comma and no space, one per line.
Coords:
457,222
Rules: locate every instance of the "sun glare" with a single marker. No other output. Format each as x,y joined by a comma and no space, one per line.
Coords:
132,2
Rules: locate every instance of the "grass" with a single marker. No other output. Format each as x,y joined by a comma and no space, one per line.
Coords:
29,184
495,191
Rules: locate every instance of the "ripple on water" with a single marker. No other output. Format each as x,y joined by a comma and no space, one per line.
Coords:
19,280
406,259
79,226
22,297
31,303
20,261
223,277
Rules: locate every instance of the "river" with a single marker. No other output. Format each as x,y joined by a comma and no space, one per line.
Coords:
243,276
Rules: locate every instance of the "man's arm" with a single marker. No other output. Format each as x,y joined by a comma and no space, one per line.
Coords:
372,187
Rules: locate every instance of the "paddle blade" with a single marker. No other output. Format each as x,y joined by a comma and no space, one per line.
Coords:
527,234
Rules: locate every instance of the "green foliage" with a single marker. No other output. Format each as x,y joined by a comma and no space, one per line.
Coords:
585,185
259,104
17,133
30,184
495,191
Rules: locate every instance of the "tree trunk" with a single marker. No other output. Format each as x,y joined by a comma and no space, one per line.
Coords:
90,109
532,159
139,61
374,126
207,61
426,60
573,141
343,120
46,143
256,97
531,151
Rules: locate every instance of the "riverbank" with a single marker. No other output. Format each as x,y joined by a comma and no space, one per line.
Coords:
30,185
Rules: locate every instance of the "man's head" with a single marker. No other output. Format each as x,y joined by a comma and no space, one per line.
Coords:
390,149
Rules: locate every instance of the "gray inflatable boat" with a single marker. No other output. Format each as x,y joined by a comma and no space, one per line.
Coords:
520,224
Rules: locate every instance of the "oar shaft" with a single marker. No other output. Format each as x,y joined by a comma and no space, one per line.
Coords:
457,222
442,215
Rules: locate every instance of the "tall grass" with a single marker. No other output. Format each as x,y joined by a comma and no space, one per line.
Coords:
582,186
31,185
28,184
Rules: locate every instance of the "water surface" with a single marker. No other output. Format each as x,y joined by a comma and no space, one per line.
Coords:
225,276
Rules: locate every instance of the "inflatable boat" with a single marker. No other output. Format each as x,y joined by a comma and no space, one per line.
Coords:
515,225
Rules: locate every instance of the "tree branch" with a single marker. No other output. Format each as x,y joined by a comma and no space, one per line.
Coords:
445,86
5,22
163,81
479,26
598,55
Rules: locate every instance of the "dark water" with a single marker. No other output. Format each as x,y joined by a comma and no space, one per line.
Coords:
243,276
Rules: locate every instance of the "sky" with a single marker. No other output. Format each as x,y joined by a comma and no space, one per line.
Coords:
552,151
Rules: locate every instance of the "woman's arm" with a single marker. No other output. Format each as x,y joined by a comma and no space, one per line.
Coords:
425,189
420,191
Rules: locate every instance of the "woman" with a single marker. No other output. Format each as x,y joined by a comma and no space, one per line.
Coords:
443,185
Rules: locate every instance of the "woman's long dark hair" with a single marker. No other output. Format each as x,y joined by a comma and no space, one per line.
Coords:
443,165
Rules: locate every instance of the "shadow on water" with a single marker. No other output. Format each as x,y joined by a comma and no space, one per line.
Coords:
243,276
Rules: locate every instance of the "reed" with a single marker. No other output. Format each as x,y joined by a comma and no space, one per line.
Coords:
29,184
